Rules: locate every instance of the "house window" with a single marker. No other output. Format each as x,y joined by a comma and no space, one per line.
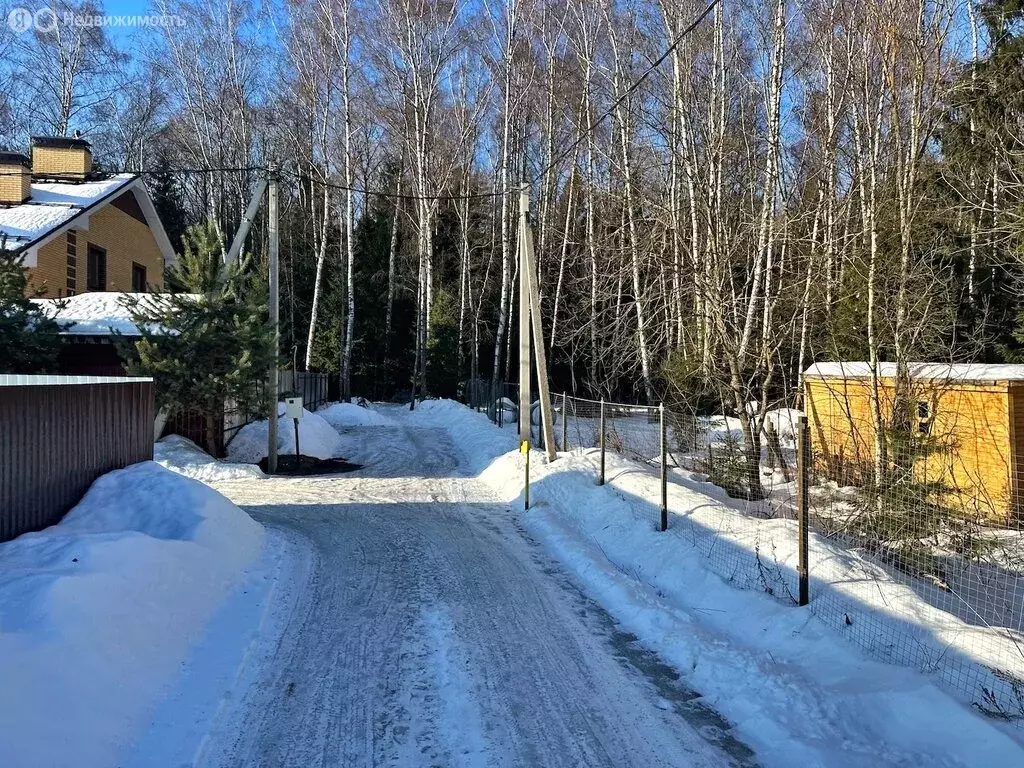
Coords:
97,277
138,278
924,417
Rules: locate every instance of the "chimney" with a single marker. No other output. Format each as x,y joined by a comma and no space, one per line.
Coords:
61,157
15,178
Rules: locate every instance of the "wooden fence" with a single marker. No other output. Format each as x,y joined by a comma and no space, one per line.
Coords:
58,434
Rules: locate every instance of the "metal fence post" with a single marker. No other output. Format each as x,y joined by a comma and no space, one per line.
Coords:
601,481
664,470
565,422
803,462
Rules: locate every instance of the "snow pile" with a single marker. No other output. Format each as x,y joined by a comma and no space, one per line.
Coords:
316,438
99,613
341,415
181,455
793,690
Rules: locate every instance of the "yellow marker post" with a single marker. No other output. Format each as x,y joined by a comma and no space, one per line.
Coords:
524,448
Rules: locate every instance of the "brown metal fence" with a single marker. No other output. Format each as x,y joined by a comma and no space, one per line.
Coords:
58,434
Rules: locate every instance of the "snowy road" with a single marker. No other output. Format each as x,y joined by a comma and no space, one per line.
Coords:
434,632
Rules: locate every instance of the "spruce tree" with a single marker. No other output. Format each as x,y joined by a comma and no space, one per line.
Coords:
166,195
29,339
443,346
209,347
982,147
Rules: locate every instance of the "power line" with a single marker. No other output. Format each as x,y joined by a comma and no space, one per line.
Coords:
251,169
636,84
400,196
476,195
58,178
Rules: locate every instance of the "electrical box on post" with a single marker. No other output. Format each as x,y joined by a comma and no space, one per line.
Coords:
293,407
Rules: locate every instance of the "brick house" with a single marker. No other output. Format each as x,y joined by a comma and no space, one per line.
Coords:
79,230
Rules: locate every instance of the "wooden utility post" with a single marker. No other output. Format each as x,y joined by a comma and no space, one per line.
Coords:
524,320
272,380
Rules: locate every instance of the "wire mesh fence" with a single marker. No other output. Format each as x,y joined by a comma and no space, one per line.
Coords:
915,544
928,496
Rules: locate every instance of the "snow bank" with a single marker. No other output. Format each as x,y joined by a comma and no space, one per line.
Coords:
316,438
340,415
99,613
181,455
794,691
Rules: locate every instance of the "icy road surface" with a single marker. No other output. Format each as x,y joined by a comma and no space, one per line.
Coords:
434,632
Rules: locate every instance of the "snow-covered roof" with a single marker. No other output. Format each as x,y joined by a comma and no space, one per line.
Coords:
929,371
101,313
56,206
76,193
52,204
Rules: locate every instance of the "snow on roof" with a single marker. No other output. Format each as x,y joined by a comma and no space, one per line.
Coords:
24,223
934,371
100,313
76,193
52,204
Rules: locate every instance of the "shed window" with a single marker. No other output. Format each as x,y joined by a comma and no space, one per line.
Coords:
138,278
97,276
924,417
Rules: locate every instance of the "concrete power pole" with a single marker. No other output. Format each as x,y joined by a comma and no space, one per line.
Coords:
524,318
530,267
272,381
529,314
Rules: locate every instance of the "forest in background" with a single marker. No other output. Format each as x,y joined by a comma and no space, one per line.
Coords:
794,182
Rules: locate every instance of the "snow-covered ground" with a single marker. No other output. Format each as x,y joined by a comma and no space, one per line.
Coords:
404,614
430,631
794,690
99,613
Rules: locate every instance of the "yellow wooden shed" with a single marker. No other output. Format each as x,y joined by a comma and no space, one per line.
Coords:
974,412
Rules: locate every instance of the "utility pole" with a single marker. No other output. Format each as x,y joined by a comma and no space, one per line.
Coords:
529,314
524,318
530,268
272,381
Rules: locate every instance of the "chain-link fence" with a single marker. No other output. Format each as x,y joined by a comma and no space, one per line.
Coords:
916,551
926,492
923,566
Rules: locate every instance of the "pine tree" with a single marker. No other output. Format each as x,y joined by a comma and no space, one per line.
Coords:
29,339
207,348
